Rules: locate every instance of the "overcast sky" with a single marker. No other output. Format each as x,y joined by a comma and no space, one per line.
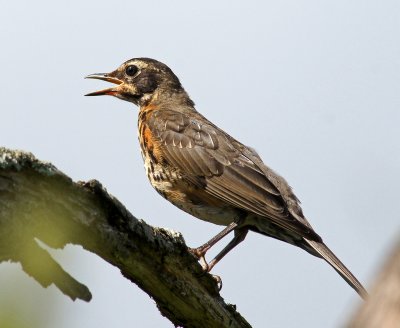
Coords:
313,86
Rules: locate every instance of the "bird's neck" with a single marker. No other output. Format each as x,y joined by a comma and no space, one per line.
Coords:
172,99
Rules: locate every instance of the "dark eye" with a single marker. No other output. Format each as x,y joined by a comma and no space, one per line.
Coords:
131,70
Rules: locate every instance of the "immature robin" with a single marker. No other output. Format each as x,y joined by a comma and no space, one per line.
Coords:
207,173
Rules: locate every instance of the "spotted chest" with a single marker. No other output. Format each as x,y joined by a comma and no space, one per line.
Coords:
173,185
166,180
176,189
160,176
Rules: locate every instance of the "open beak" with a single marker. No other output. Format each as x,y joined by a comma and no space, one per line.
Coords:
105,77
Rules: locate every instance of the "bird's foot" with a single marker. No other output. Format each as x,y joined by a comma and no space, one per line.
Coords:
200,253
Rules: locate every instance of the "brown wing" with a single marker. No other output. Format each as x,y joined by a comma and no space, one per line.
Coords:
233,172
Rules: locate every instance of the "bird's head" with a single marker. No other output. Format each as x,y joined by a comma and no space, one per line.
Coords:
138,80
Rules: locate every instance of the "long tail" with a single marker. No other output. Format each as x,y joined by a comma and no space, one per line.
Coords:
331,258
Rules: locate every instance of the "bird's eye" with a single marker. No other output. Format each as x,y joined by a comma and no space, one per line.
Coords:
131,70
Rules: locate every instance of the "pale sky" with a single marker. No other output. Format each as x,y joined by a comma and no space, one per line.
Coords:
313,86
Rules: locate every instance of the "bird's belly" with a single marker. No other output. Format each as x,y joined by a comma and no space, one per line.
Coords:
193,200
216,215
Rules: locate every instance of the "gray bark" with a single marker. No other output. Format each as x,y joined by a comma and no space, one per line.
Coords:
38,202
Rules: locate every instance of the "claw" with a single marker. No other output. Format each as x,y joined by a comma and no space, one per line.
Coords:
200,253
195,252
204,264
218,280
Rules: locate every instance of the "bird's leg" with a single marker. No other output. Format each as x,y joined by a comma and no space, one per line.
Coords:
240,235
201,251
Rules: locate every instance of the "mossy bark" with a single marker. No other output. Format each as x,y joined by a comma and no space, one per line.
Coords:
38,202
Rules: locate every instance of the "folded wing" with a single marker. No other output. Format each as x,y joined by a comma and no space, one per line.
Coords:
233,173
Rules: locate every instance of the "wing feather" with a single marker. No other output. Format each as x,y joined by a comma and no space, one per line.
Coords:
235,173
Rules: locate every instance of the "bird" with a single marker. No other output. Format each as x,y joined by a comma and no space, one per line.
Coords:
207,173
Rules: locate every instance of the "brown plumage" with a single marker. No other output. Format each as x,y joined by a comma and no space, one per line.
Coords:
207,173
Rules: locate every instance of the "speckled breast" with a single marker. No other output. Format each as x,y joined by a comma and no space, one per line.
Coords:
173,186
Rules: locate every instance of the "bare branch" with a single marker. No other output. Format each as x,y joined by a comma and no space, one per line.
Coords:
39,202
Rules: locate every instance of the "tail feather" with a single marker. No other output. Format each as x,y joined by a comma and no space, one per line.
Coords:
331,258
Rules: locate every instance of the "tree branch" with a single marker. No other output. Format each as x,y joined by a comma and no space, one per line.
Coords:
382,308
38,202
